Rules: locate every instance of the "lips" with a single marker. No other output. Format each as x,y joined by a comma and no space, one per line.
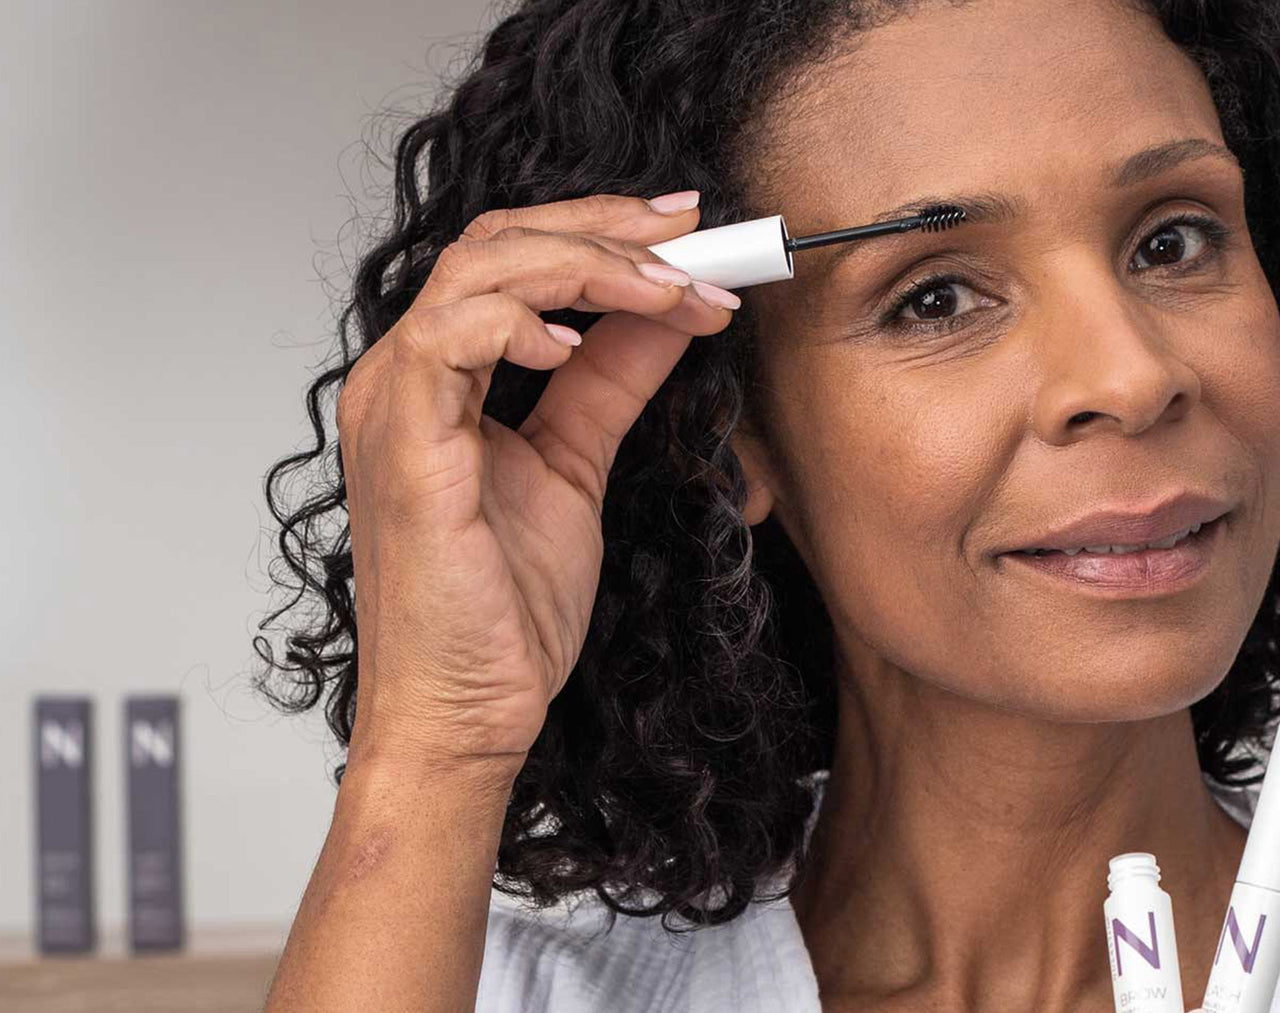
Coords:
1121,525
1150,573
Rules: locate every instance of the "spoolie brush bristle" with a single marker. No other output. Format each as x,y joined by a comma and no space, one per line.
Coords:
941,216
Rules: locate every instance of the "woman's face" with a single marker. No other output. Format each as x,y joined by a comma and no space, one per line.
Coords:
1083,353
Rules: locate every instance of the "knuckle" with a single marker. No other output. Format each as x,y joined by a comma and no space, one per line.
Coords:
413,339
509,308
583,247
601,208
514,232
455,260
488,223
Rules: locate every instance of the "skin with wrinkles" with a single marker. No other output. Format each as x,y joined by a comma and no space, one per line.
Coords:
1001,735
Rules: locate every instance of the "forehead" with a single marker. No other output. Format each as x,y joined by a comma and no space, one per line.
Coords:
1007,94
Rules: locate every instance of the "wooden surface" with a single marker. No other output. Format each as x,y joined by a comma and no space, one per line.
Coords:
171,983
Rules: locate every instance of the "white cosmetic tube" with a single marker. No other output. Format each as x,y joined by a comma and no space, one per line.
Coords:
1145,977
1247,962
732,256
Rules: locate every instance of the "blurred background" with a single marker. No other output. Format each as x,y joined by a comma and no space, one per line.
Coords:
183,189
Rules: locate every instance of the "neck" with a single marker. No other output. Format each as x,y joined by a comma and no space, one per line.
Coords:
960,858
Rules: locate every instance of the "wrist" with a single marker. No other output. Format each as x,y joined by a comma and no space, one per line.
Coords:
396,774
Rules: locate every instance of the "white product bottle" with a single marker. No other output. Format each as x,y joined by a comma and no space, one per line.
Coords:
1144,951
1243,979
1246,964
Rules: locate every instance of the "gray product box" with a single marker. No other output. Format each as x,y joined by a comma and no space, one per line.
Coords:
152,750
63,742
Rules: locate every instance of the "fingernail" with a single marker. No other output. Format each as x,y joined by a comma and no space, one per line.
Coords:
664,274
716,295
674,203
564,335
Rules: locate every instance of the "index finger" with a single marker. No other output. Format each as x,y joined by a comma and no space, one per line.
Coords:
633,219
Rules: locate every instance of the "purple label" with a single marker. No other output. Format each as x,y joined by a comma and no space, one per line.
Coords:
1247,956
1151,954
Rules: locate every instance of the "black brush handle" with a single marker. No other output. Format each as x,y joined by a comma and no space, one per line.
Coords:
935,219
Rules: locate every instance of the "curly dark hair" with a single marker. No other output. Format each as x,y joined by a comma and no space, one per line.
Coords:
673,765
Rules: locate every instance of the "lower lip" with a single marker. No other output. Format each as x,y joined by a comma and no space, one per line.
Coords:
1149,571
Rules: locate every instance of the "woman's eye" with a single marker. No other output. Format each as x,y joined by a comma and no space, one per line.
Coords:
940,302
938,298
1169,245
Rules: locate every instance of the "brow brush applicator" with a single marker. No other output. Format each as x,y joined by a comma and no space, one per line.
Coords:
758,251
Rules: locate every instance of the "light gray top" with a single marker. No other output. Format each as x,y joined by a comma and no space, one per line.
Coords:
561,960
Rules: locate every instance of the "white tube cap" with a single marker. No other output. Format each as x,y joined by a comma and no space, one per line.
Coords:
732,256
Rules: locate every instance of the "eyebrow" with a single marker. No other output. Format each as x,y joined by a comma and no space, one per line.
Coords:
1001,207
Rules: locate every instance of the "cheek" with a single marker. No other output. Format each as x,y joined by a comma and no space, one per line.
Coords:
1241,386
906,463
893,476
1241,381
891,480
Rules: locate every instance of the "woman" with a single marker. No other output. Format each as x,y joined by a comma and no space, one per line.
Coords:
610,627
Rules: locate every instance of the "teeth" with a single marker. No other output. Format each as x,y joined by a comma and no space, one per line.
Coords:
1119,550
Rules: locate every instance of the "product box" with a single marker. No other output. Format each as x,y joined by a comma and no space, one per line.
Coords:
63,762
152,751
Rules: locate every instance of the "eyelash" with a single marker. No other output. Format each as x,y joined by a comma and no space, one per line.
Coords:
1216,233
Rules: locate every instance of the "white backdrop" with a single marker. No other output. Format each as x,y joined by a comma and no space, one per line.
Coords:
179,185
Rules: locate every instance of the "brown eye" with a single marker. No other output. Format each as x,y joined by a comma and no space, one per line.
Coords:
1170,245
941,297
943,302
933,303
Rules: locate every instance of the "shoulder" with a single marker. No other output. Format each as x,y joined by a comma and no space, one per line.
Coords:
565,959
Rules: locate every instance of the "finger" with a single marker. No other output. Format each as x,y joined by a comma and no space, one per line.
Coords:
431,383
692,315
606,216
688,315
549,270
628,218
591,401
605,272
440,353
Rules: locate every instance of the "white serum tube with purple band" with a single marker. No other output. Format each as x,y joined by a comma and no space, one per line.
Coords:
1246,964
1145,977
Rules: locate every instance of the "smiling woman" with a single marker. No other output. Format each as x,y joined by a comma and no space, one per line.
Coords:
816,550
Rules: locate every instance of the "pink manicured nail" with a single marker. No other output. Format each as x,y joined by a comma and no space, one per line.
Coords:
674,203
664,274
564,335
716,295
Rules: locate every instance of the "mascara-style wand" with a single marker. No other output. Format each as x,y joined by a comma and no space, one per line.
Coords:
759,251
934,219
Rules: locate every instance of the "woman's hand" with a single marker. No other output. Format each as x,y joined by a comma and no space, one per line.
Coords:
476,548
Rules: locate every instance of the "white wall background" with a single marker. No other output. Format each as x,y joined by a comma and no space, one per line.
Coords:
176,197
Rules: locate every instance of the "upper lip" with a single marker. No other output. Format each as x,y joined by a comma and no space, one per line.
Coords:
1130,526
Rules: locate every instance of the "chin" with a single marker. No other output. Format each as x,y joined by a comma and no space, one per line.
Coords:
1138,694
1137,687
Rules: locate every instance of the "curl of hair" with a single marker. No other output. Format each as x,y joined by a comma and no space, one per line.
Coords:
672,768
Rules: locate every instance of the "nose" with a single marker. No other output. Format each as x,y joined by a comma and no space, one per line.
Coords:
1109,358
